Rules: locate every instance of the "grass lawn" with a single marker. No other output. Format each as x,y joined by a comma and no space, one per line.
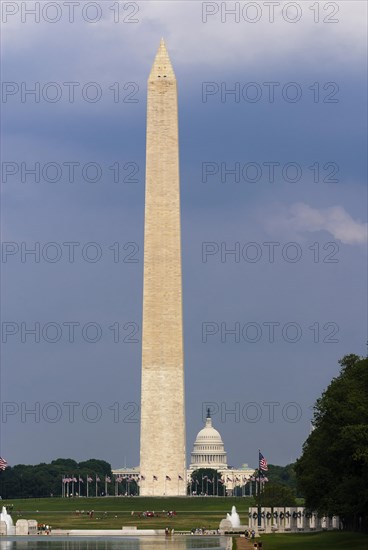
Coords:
113,513
316,541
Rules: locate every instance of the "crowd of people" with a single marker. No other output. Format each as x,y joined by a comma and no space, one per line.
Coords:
152,514
43,529
203,531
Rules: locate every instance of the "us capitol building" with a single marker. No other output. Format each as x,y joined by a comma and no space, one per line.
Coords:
208,452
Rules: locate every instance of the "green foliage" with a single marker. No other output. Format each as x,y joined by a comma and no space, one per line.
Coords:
44,480
333,469
284,475
94,465
276,494
202,482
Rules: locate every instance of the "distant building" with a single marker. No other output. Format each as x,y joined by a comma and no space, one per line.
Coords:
209,452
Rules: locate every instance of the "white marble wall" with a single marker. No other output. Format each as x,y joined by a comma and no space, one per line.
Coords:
290,519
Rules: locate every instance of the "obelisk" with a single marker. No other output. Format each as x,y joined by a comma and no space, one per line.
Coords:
162,444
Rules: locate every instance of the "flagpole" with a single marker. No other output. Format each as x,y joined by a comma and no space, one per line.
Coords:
259,490
96,484
79,485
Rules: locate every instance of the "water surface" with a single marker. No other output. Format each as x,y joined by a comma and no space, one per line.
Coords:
126,543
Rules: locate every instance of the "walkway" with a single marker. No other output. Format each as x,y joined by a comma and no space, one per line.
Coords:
244,544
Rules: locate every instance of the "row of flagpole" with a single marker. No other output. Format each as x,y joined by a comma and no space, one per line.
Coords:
68,485
260,480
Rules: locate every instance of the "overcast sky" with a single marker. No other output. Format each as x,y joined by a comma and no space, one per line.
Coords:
272,124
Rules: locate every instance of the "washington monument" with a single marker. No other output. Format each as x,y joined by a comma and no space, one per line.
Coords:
162,445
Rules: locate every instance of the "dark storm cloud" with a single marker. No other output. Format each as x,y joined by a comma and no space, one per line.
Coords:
222,291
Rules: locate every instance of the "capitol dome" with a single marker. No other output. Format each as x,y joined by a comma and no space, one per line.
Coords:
208,449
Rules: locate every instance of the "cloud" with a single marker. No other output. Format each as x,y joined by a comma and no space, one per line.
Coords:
300,218
221,38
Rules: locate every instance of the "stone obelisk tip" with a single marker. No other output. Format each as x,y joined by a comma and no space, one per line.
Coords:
162,67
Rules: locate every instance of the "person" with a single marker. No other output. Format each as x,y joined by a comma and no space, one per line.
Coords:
253,534
260,546
166,531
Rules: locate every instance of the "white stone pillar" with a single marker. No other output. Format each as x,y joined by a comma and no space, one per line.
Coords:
300,521
288,519
268,520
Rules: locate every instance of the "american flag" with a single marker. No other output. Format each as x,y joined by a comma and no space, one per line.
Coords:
262,462
220,481
142,477
108,479
179,477
80,480
97,478
3,463
89,479
168,477
74,479
154,478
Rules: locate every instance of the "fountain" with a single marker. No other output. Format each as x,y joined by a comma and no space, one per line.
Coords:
4,516
232,522
234,517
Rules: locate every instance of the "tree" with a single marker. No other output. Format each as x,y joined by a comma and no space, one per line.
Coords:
276,494
206,480
284,475
43,480
333,469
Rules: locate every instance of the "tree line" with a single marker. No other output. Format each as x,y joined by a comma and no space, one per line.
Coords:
45,480
332,472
